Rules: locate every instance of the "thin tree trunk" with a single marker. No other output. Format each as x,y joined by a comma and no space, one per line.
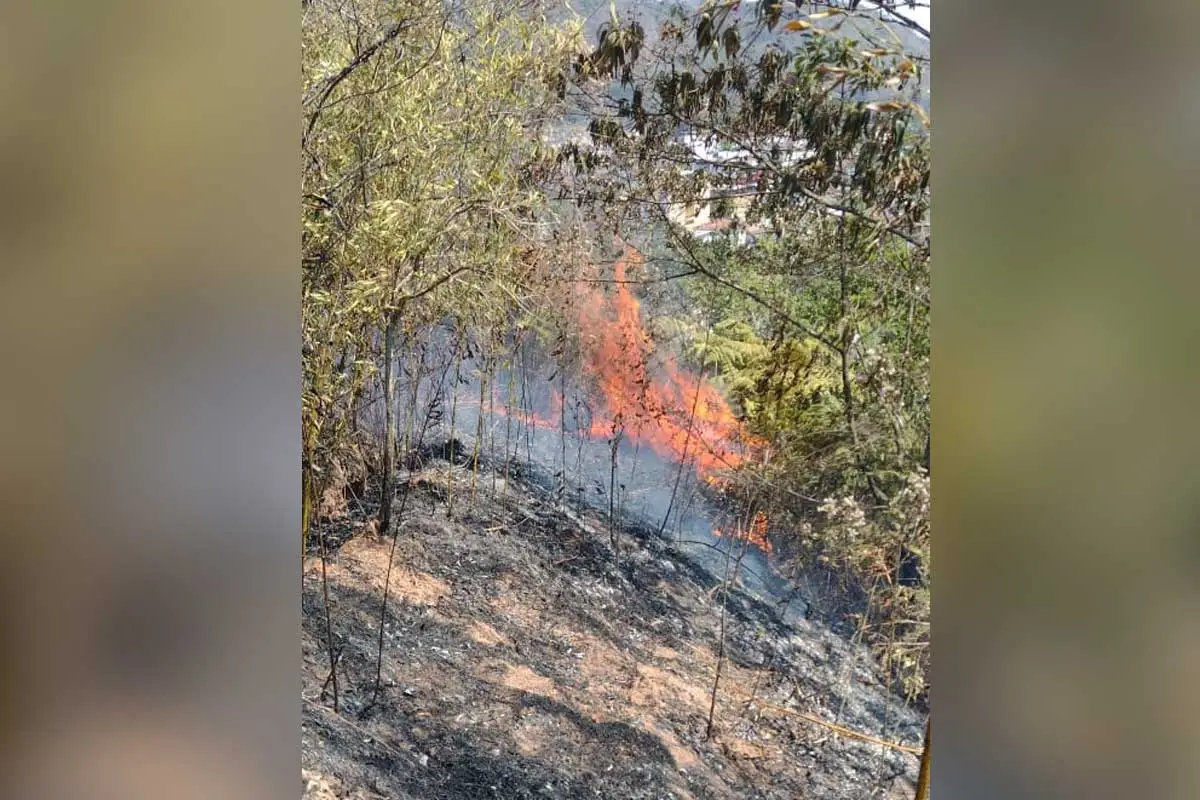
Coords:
305,507
329,643
388,490
726,581
494,368
615,449
508,410
526,410
624,493
355,406
410,418
687,440
458,356
483,385
562,431
387,579
582,433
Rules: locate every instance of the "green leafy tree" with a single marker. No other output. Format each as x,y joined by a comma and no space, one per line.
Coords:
421,131
804,129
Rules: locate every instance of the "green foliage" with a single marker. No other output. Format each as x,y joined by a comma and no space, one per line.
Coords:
420,150
819,328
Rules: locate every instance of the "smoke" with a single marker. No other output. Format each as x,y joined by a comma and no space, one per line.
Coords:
601,415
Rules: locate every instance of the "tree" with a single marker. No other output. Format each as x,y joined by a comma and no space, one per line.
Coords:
420,120
805,129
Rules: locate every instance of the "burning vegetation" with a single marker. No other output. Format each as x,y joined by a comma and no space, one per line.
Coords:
755,533
646,395
641,395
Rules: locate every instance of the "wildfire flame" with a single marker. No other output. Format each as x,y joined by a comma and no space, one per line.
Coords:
645,395
755,534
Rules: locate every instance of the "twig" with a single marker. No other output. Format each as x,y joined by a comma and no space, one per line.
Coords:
923,777
331,677
333,657
387,580
712,707
839,729
332,82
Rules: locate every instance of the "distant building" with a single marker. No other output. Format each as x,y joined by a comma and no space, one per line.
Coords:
698,219
741,234
741,171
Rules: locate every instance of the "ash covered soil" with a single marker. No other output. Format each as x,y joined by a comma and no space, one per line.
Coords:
521,660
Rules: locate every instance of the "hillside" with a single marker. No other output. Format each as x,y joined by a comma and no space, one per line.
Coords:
522,661
699,566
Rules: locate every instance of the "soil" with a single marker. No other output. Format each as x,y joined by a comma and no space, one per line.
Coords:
523,658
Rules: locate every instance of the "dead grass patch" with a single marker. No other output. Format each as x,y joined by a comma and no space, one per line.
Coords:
366,559
525,679
484,634
657,688
685,758
601,662
517,677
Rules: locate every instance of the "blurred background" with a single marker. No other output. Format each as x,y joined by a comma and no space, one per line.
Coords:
1065,509
150,468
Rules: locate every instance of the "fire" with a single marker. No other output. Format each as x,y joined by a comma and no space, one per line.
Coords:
755,534
646,396
640,394
531,418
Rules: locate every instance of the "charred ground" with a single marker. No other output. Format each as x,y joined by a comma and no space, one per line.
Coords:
522,659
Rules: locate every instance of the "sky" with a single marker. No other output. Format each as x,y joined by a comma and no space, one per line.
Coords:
917,15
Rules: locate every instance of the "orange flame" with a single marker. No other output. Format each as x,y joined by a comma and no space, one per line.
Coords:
646,397
681,417
756,534
531,418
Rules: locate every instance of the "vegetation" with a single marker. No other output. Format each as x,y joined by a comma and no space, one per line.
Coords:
820,327
444,189
420,131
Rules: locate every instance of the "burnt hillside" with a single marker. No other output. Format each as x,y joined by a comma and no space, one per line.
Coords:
521,659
